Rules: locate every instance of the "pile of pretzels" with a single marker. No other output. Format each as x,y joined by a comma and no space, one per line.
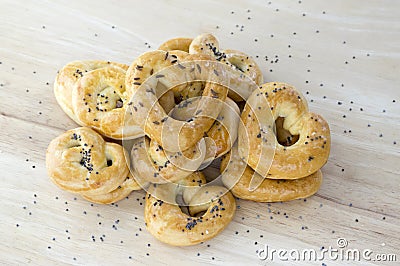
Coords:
178,110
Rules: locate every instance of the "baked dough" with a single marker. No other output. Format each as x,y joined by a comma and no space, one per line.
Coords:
166,221
70,74
121,192
222,134
151,163
100,101
80,161
245,75
237,177
152,117
258,145
181,44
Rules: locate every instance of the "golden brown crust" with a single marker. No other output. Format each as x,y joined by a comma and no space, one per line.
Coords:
222,134
70,74
152,116
100,100
270,190
204,43
121,192
79,160
153,164
304,157
246,74
245,63
180,43
169,224
148,64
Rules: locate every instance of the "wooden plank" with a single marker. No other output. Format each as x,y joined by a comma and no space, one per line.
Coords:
343,56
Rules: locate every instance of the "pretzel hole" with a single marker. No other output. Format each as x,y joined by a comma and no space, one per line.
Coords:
282,135
181,203
108,99
238,63
119,103
185,209
109,163
188,90
199,214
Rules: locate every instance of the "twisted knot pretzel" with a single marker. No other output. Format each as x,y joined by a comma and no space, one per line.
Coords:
68,77
294,158
80,161
211,208
222,134
157,165
173,135
93,94
237,177
245,70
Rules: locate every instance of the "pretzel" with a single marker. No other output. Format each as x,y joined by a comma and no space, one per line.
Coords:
100,101
70,74
177,67
165,220
246,74
237,177
223,133
181,44
151,163
117,194
80,161
291,159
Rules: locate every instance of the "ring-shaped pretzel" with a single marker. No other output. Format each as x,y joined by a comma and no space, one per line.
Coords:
211,209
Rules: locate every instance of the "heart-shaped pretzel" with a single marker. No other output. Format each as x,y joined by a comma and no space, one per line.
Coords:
80,161
70,74
211,209
237,178
305,150
177,67
245,75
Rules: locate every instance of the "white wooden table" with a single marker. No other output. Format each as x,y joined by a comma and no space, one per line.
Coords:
343,55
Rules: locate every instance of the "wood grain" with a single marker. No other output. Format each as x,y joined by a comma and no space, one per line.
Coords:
344,57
